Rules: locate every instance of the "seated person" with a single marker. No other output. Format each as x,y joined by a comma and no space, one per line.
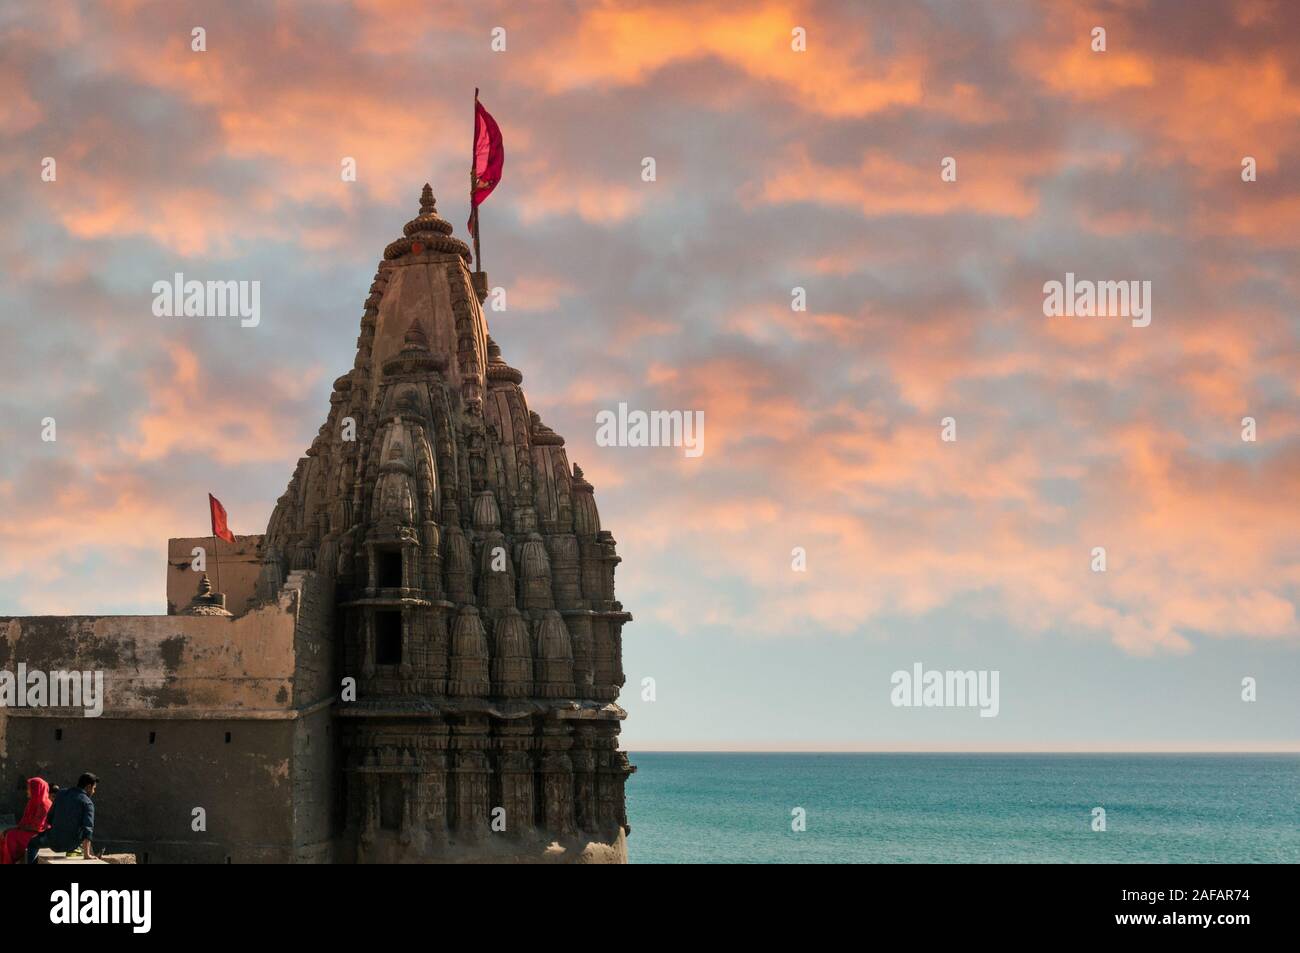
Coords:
71,821
14,842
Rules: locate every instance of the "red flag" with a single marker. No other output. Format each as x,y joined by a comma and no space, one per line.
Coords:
489,157
219,527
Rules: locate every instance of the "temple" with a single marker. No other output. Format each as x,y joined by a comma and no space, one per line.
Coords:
420,657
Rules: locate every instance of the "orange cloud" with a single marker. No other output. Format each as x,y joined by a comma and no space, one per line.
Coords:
834,76
823,427
190,412
883,185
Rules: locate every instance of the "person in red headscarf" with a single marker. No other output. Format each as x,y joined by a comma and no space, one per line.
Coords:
14,843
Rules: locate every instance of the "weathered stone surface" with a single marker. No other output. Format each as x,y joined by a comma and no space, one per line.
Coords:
232,567
450,524
418,660
47,856
228,714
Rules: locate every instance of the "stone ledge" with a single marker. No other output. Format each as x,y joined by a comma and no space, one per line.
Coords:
47,856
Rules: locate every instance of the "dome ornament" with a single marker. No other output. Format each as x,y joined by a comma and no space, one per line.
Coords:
427,232
206,602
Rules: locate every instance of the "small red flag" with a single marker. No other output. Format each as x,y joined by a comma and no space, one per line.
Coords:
219,527
489,158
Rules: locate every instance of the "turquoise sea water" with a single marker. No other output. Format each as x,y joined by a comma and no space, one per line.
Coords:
959,808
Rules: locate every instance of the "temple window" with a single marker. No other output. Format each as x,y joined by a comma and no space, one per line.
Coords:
390,569
388,638
390,803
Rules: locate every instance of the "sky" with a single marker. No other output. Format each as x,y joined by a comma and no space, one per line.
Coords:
775,169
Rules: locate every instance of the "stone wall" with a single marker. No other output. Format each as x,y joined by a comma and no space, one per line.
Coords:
237,564
313,648
232,715
316,795
155,772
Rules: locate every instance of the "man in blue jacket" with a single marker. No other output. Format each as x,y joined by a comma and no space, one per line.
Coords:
71,820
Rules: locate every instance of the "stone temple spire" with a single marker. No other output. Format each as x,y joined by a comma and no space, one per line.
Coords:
416,339
474,586
206,602
427,232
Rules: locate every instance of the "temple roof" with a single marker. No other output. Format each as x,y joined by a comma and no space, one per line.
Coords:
427,232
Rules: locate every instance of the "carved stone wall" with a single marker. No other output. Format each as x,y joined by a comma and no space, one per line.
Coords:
473,584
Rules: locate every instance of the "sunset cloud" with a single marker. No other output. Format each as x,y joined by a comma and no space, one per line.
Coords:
777,170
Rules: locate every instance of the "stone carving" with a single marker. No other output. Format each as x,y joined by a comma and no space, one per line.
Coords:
206,602
452,513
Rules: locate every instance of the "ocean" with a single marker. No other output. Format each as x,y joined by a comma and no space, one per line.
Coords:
964,808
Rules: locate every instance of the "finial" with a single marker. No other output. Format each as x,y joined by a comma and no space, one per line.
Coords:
415,335
206,602
426,233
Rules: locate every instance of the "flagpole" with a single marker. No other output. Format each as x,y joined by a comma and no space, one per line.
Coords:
216,561
473,160
478,256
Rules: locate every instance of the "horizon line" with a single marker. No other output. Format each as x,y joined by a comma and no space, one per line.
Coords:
1293,748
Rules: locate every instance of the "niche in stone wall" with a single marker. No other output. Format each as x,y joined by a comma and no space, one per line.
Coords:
388,638
390,803
390,568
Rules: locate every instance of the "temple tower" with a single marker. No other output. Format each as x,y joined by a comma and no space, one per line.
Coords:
474,586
